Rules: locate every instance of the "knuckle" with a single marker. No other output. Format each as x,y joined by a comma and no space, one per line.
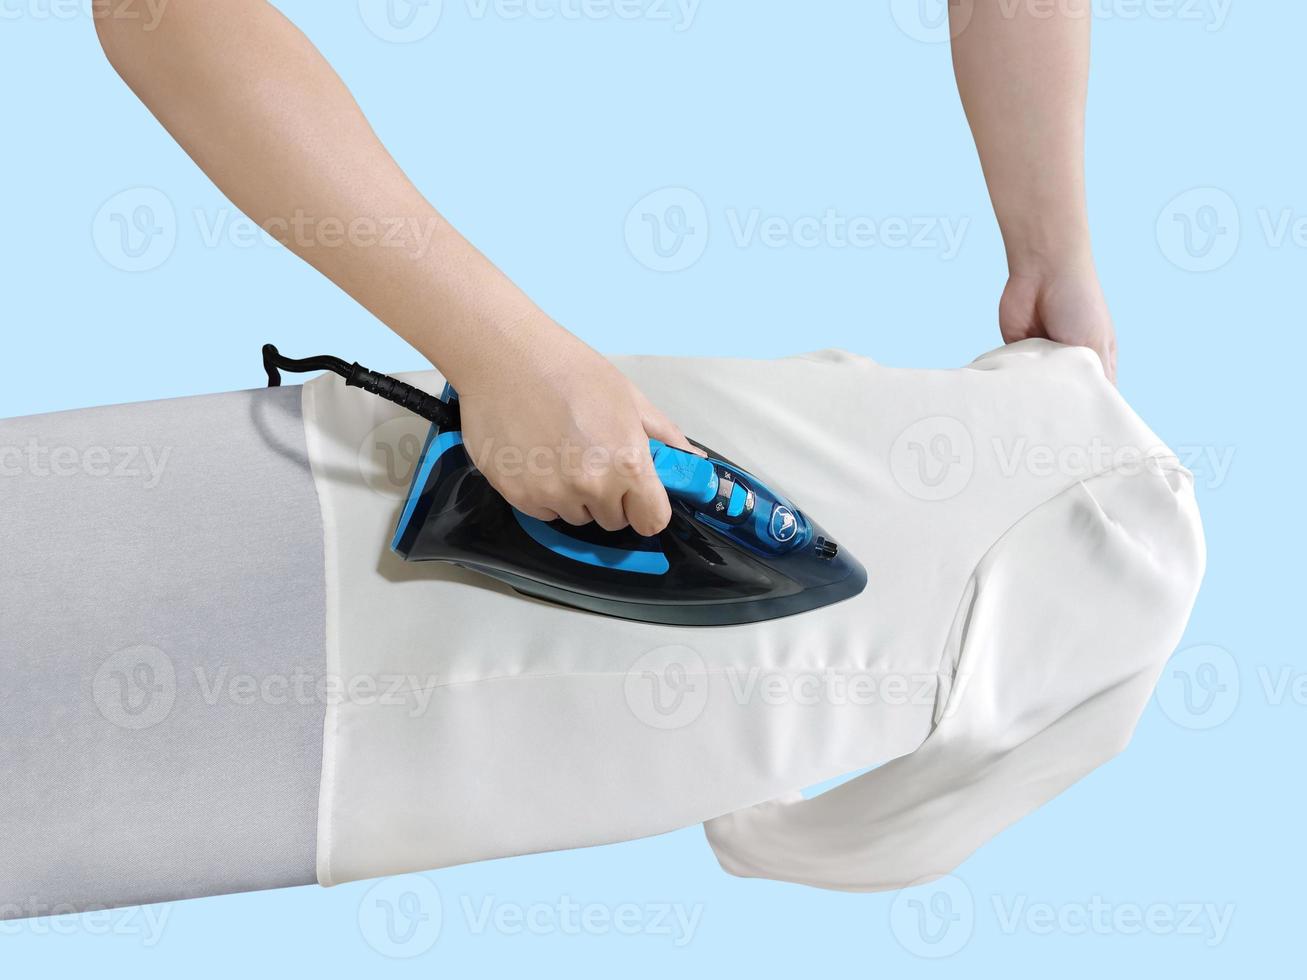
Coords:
590,486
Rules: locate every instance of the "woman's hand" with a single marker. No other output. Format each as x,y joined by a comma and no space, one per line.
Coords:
560,432
1067,306
555,427
1023,75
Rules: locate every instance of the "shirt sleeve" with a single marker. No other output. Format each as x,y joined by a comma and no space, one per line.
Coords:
1061,634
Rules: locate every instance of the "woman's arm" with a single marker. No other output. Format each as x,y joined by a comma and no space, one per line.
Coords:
1023,76
258,108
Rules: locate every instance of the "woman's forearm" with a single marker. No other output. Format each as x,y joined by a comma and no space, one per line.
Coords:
264,115
1022,70
258,108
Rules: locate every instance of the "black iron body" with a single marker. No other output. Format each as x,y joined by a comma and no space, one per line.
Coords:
711,580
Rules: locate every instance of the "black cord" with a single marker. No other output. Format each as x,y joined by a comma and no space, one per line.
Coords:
417,401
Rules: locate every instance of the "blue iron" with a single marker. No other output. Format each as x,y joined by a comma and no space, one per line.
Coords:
736,551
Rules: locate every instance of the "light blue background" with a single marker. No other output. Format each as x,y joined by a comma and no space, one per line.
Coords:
537,136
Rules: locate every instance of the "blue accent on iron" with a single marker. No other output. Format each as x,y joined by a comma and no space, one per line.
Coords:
437,446
601,556
735,506
684,475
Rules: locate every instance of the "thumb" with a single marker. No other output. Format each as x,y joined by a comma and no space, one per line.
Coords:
647,508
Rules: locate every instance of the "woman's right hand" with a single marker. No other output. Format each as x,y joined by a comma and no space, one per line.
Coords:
555,427
1065,305
560,432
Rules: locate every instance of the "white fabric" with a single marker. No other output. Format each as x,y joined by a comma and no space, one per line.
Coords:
1033,552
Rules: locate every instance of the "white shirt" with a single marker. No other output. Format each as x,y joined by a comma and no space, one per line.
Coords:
1033,552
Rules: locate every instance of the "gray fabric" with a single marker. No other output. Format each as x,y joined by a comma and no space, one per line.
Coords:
161,634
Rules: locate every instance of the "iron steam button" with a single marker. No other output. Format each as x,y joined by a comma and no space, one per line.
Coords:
739,498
